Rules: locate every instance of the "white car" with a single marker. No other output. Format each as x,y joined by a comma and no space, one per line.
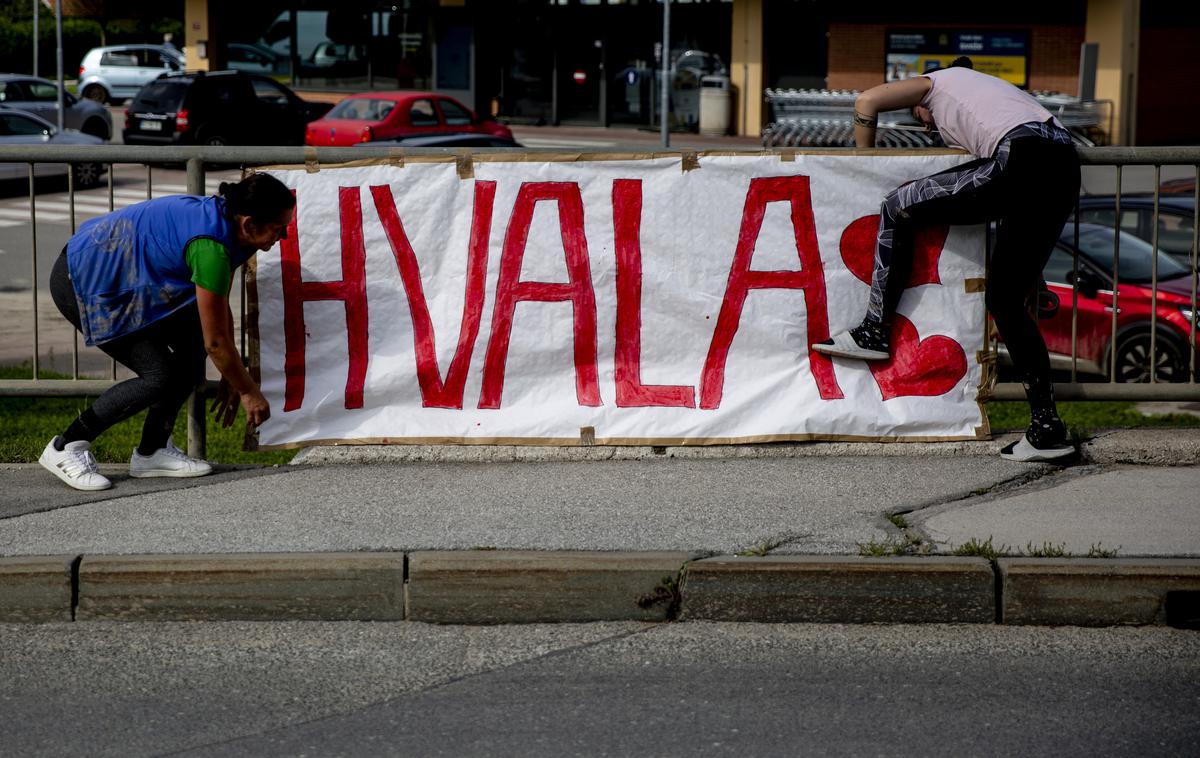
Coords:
20,128
112,74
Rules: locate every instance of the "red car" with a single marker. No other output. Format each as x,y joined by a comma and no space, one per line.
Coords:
1134,302
372,116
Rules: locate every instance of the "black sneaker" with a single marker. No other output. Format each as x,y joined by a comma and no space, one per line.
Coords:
867,342
1045,440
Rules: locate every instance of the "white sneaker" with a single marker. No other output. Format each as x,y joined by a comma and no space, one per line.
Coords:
74,464
844,346
167,461
1024,451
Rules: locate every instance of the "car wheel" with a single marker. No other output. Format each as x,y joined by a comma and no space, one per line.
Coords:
95,92
96,128
214,140
1133,359
87,174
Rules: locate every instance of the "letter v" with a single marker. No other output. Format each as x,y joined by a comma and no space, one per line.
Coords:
436,393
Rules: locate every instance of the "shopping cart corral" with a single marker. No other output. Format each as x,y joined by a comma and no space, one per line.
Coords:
822,118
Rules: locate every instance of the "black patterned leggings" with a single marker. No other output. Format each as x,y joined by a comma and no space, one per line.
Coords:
167,356
1029,188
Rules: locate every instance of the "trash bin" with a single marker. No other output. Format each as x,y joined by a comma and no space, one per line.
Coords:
715,102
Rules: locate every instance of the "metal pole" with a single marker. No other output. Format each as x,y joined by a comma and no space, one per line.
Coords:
665,91
59,60
36,8
197,442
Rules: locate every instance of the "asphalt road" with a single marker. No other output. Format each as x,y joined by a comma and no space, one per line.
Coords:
603,689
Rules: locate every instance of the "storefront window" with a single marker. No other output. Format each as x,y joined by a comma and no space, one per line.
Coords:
325,45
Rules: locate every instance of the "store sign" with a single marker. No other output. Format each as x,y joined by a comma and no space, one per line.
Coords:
618,301
1003,54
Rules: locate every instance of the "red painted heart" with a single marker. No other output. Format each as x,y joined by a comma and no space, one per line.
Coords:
919,367
858,251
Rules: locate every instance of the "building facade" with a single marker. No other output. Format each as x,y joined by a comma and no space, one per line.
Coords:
600,61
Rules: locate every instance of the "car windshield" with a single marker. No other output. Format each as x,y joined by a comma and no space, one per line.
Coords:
362,109
1096,242
161,96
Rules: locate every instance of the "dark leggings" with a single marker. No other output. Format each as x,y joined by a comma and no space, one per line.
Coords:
1030,195
167,356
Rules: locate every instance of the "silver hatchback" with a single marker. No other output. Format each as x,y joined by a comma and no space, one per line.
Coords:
112,74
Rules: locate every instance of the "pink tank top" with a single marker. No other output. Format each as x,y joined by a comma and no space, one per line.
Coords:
973,111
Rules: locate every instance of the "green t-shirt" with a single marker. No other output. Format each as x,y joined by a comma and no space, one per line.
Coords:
209,262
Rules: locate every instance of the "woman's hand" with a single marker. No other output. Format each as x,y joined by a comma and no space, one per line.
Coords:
225,405
257,408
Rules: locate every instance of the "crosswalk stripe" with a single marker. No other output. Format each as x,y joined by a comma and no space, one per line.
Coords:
23,215
539,142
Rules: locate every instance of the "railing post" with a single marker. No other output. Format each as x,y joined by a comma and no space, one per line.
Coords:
197,432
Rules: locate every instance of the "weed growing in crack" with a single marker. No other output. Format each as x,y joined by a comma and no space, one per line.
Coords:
1097,551
899,520
908,545
1047,550
973,547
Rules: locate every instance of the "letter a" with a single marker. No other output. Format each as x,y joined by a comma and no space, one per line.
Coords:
578,290
810,278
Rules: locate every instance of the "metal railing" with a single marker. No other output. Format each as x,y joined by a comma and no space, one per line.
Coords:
199,159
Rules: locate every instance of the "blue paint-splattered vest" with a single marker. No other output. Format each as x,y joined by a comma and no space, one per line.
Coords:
128,267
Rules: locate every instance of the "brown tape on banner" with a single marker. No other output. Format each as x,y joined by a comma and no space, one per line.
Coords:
618,441
396,157
311,164
690,160
975,285
466,167
587,436
787,156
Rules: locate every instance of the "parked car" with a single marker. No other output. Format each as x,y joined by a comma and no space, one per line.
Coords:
1094,285
1176,219
254,59
217,108
22,128
448,139
40,97
372,116
117,72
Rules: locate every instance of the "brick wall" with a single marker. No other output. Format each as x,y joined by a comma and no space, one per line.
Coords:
857,53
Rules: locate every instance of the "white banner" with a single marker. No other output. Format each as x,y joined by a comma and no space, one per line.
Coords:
647,301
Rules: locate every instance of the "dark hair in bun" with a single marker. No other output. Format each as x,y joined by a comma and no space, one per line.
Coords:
262,197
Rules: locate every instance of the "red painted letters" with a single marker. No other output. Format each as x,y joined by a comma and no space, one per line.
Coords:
436,393
627,219
578,290
351,289
810,278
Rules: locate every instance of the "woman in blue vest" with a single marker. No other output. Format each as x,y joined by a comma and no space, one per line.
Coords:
149,285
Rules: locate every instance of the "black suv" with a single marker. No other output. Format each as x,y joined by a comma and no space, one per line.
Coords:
217,108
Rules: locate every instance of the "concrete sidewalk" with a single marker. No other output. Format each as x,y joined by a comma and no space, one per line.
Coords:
479,534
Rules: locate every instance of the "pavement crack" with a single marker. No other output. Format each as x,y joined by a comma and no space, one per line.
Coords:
648,628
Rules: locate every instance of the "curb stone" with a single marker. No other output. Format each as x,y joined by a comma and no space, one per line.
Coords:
36,588
243,587
494,587
1099,592
517,586
840,589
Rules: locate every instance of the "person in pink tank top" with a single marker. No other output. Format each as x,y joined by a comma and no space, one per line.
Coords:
1025,177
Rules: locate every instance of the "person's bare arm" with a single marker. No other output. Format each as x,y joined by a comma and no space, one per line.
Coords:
216,321
905,93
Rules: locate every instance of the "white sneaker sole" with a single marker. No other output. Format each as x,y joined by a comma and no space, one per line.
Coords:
73,483
844,346
173,473
1024,452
